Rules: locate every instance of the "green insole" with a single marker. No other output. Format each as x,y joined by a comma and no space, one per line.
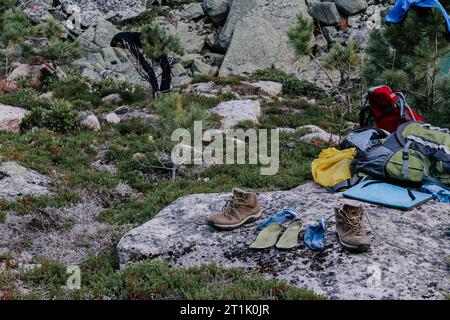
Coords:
288,239
267,237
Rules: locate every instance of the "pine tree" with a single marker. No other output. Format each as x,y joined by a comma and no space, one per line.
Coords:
14,27
24,42
344,59
52,44
301,35
156,42
407,56
6,5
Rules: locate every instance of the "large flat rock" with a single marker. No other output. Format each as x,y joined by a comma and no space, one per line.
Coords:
260,38
11,118
17,181
235,111
385,272
238,10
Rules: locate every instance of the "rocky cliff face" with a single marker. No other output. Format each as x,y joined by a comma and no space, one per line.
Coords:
220,37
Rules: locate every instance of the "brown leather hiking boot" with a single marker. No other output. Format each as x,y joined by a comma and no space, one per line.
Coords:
349,228
241,208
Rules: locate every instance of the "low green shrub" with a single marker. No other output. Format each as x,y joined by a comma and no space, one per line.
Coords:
26,98
200,78
47,273
129,93
182,110
74,88
78,89
133,126
291,84
102,279
56,115
6,256
82,105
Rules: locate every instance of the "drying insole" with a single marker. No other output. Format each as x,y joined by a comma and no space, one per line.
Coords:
289,238
267,237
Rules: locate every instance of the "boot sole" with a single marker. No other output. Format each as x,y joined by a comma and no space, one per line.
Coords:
237,225
360,248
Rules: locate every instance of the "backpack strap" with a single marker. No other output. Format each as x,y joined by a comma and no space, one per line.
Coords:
411,195
436,182
141,65
366,117
166,76
405,167
370,182
442,149
404,105
346,184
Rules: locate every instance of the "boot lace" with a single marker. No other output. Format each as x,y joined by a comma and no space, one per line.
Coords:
233,202
354,223
359,226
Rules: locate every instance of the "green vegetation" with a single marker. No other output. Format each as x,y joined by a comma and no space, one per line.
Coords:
344,59
233,80
407,57
347,61
30,204
440,115
52,143
44,42
71,95
70,151
26,98
292,113
2,217
301,35
291,84
6,256
77,90
101,279
69,154
183,111
58,116
173,3
156,42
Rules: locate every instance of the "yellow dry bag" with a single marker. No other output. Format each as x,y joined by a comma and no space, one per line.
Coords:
332,166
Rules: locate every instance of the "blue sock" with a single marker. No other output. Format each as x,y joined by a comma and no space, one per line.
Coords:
315,236
279,217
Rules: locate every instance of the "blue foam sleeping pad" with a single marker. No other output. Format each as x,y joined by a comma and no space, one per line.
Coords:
386,194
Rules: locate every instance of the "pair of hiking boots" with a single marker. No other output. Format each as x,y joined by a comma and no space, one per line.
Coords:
243,207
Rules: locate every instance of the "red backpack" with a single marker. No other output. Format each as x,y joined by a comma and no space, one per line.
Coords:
386,109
